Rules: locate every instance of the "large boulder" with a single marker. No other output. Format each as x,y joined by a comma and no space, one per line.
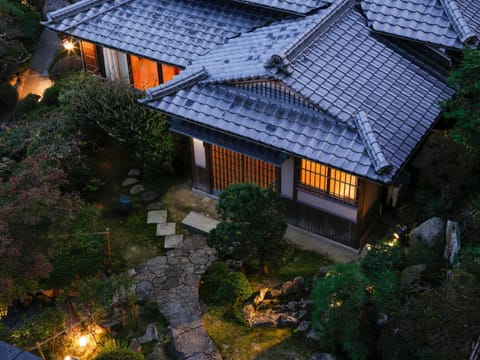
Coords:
428,232
452,241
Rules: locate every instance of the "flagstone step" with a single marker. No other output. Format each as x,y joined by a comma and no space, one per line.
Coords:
166,229
157,217
199,223
173,241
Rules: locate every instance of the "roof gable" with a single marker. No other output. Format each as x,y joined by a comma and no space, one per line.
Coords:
445,23
367,104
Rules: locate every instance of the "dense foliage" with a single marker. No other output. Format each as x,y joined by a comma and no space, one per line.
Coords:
95,106
32,204
253,224
464,107
339,299
117,350
222,286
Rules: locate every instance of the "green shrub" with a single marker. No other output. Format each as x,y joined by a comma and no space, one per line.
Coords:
222,286
117,350
339,299
386,293
65,66
469,260
150,311
382,257
38,328
25,106
50,95
8,98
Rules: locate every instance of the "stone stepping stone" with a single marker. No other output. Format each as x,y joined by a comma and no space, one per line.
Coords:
173,241
199,223
165,229
137,189
130,182
157,217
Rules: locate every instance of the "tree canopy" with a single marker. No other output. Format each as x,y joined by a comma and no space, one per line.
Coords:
253,222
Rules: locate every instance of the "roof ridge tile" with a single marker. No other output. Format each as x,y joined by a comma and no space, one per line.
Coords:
175,85
465,33
292,51
72,9
371,143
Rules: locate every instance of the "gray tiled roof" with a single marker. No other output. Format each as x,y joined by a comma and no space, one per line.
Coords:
341,70
10,352
291,6
170,31
446,23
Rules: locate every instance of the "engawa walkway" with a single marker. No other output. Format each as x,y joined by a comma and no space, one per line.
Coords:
173,281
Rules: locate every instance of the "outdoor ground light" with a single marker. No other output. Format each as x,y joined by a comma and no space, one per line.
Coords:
400,232
82,341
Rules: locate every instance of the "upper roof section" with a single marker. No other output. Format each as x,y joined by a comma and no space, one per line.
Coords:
300,7
169,31
444,23
368,104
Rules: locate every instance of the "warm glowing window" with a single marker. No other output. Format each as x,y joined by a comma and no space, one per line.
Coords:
230,167
168,72
89,56
332,182
144,72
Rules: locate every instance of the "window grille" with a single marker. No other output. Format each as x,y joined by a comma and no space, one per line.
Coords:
230,167
328,181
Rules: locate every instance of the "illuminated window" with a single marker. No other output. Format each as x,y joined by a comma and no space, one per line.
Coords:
323,179
90,58
168,72
230,167
144,72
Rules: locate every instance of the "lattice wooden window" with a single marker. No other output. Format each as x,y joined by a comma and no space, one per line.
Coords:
230,167
328,181
89,52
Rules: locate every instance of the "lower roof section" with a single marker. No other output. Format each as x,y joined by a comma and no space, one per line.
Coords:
243,147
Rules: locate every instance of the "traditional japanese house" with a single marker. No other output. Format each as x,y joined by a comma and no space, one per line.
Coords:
327,101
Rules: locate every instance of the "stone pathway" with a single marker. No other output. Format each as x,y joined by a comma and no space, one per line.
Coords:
173,281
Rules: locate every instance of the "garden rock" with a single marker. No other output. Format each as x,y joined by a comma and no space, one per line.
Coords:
410,277
452,243
382,319
287,321
293,287
151,333
133,172
129,182
6,165
235,265
147,196
428,232
323,356
135,346
137,189
303,326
